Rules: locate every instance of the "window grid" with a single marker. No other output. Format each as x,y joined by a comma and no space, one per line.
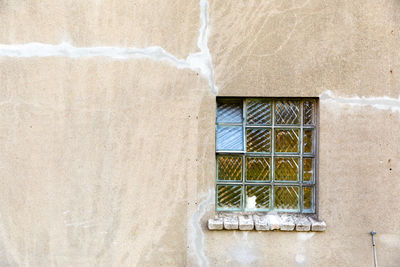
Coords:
272,182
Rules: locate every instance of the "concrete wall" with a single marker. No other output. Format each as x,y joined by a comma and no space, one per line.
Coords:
107,120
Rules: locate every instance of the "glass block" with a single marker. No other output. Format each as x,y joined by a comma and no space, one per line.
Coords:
286,197
287,140
259,112
229,112
308,141
258,169
230,168
308,170
258,140
229,196
287,112
308,112
258,197
229,138
308,193
286,169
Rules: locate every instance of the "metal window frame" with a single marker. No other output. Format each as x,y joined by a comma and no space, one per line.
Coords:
272,155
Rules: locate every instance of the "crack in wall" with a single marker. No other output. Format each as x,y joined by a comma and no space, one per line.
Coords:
67,50
200,61
384,103
203,60
196,234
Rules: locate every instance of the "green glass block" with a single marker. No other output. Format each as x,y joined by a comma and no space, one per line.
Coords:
308,112
308,170
308,193
287,112
258,140
308,141
258,169
229,197
287,140
258,197
286,169
229,168
286,197
259,112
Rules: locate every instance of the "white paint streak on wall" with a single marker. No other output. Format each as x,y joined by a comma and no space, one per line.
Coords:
305,236
244,252
66,50
384,103
390,240
10,249
200,61
195,231
300,257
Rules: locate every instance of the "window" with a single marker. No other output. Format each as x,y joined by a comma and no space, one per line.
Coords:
266,154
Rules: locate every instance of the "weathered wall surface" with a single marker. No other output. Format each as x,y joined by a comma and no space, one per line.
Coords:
107,128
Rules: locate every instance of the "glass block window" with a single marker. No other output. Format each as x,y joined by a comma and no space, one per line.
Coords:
266,154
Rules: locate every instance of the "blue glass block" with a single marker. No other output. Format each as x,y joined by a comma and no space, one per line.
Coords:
229,138
229,112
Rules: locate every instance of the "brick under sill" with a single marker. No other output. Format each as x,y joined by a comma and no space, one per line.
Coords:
266,222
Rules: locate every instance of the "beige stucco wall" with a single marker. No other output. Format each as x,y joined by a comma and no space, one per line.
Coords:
107,154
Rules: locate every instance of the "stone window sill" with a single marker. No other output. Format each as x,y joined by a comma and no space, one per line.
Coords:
269,222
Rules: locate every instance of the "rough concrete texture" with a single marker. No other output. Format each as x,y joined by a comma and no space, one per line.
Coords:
231,223
302,48
274,221
287,223
216,224
138,23
79,188
283,222
246,222
110,161
303,224
260,223
317,226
